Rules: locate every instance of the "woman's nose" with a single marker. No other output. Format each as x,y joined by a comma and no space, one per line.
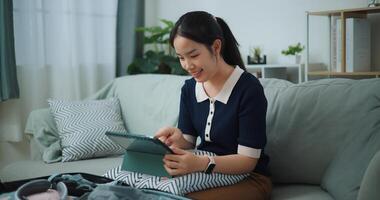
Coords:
188,65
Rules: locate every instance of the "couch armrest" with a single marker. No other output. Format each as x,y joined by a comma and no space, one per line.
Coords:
369,189
45,143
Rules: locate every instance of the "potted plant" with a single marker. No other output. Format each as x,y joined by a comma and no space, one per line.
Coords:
160,58
294,50
255,56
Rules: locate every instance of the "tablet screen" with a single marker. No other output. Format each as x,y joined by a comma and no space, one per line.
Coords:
139,143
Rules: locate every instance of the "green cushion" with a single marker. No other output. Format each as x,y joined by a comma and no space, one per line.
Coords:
310,122
345,173
148,101
369,189
299,192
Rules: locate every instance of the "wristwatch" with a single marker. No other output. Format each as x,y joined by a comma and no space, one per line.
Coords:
210,166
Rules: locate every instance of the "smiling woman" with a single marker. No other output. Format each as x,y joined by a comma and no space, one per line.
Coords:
223,105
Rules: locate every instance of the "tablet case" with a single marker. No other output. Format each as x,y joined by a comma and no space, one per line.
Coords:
143,154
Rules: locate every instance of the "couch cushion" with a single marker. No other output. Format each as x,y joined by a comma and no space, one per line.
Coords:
361,142
82,125
308,123
369,188
149,101
299,192
45,142
31,169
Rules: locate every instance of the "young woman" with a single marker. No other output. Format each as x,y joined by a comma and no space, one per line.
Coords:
222,104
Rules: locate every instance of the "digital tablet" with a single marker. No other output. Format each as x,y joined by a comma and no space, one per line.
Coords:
139,143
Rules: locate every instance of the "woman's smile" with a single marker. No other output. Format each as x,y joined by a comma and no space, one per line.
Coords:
197,74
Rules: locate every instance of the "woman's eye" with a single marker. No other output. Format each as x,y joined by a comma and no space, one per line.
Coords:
194,56
181,58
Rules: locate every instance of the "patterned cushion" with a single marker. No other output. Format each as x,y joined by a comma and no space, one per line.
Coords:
82,125
179,185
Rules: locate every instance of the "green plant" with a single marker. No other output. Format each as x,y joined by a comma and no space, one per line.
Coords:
293,49
255,52
160,59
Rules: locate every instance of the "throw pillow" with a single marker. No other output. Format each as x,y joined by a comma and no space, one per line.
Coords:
82,125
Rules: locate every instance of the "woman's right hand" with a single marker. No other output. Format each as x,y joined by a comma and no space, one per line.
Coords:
171,136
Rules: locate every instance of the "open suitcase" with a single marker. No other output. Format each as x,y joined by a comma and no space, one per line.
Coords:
77,186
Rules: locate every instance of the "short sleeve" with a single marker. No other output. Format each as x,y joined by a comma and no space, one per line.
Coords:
185,123
252,122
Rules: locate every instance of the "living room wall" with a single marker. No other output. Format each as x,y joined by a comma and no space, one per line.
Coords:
273,25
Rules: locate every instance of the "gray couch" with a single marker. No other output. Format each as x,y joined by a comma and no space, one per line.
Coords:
323,136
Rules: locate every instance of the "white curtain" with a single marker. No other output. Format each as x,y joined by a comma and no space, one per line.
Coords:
64,49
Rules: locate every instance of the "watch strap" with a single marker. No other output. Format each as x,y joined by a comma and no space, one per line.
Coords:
210,166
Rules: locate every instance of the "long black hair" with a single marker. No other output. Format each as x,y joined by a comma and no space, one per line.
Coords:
204,28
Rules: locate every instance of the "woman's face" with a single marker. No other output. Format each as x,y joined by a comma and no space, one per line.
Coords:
196,58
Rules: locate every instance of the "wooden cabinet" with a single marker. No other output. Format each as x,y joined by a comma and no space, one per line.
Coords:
343,14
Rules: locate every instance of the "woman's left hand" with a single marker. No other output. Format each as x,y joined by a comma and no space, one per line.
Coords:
183,162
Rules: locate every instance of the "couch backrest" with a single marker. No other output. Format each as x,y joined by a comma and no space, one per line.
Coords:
309,124
313,128
149,101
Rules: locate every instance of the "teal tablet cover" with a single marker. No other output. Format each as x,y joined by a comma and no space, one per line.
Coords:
143,154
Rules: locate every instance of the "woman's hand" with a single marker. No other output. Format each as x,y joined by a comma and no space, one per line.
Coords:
184,162
171,136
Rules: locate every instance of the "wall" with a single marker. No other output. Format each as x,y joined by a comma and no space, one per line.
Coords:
272,25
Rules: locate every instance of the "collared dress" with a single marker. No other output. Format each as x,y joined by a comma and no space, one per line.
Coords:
233,122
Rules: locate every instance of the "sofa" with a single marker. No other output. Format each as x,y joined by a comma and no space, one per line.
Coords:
323,135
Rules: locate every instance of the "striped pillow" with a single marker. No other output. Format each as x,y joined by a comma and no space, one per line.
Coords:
179,185
82,125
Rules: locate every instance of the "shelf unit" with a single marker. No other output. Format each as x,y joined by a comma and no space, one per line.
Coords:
344,14
267,69
328,73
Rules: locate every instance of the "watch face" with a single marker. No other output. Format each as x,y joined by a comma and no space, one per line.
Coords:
210,168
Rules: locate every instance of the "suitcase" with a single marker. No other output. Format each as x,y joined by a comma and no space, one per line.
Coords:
82,186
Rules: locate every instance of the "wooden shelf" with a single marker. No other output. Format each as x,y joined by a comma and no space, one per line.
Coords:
343,14
327,73
365,10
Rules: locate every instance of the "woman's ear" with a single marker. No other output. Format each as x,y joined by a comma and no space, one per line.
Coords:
217,47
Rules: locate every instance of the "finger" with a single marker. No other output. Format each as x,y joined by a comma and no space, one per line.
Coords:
170,171
172,157
162,132
168,141
163,139
178,151
172,164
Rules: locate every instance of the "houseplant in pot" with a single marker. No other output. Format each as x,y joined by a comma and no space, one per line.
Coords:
159,56
255,56
294,53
